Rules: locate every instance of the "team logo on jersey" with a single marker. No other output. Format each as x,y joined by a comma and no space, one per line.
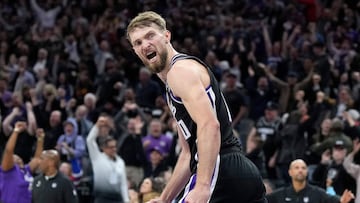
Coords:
54,185
306,199
38,183
287,199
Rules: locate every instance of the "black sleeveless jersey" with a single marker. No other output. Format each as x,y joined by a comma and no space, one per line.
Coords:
188,126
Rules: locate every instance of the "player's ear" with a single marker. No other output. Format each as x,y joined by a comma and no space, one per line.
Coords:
167,36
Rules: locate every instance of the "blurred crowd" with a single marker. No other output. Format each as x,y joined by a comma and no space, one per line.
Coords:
290,72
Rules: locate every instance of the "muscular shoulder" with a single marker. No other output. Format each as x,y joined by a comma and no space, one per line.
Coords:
187,73
184,68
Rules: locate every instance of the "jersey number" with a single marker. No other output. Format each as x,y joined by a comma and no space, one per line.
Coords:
185,131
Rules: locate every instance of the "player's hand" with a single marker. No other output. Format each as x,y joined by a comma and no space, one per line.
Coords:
198,195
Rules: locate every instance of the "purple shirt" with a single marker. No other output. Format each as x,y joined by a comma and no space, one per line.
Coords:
15,185
163,142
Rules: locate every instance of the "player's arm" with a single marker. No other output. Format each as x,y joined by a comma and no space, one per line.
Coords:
188,80
181,173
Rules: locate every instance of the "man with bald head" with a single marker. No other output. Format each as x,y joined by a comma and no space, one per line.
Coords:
51,185
301,191
53,129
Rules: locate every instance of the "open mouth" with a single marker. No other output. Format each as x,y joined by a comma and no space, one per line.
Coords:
151,55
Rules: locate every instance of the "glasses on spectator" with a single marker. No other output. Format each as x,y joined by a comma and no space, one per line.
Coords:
111,146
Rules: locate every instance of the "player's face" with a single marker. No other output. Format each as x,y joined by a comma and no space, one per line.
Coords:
149,43
298,171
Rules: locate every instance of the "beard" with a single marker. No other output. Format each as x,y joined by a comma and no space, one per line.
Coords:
300,177
158,66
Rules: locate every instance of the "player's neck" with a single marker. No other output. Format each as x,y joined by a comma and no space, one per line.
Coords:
171,53
299,185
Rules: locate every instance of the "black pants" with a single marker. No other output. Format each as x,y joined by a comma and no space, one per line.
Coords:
239,181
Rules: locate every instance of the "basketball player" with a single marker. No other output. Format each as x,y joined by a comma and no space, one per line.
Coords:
211,167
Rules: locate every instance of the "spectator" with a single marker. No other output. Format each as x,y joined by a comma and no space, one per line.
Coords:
108,129
47,15
157,163
344,102
25,143
110,83
130,109
255,152
236,99
131,150
71,143
64,87
300,189
53,130
62,189
330,170
110,183
49,101
85,86
71,48
84,124
42,62
351,123
260,93
336,133
322,133
16,177
147,89
156,138
293,139
150,188
352,168
268,128
4,92
102,53
72,170
90,103
23,77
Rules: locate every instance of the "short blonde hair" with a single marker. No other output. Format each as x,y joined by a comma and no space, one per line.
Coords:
146,19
